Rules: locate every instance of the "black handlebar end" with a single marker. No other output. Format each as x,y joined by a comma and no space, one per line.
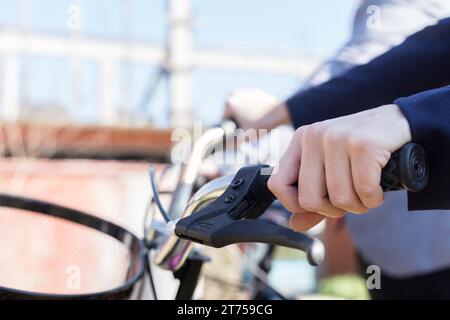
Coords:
407,169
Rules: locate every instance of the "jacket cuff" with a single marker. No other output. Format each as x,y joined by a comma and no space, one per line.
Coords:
429,119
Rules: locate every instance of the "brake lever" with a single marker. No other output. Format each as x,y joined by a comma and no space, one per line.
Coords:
231,218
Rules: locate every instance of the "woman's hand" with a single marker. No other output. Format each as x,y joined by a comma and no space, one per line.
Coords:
256,109
338,164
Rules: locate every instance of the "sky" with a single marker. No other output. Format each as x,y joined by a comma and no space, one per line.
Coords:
315,28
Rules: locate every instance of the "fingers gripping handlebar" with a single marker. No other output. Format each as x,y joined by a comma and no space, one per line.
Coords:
231,218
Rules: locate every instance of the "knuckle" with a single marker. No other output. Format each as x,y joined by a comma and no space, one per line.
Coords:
373,202
312,132
347,202
376,203
333,137
360,143
309,203
365,190
299,132
341,200
272,184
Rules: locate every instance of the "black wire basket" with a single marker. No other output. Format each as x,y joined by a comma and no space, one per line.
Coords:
48,251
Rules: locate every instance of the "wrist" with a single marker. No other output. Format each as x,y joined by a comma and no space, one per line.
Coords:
400,123
404,124
275,117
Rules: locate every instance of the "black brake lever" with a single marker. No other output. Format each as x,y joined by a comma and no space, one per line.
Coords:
231,218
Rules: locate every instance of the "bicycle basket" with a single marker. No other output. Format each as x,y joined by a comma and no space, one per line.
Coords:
49,251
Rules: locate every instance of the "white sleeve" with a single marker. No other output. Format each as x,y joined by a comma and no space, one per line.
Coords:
378,26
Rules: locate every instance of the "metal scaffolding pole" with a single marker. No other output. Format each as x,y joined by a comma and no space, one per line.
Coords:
10,94
13,68
180,62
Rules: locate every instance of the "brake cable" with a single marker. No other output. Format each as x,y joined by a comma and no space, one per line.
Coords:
150,206
156,198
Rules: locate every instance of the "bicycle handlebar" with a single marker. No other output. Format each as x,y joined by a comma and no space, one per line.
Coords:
189,169
231,218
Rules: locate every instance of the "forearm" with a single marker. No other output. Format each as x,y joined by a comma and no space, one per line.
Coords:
275,117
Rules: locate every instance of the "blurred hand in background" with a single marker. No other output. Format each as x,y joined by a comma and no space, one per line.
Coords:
256,109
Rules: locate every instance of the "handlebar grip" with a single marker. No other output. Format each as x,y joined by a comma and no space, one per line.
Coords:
407,169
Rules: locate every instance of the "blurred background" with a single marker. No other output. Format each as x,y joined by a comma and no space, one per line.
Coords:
90,92
142,62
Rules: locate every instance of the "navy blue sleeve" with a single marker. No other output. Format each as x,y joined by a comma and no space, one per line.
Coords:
428,114
420,63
